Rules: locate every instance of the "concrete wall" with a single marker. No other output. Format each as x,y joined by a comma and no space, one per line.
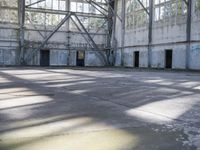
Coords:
63,46
167,34
8,44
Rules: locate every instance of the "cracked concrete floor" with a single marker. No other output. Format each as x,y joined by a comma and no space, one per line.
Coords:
98,109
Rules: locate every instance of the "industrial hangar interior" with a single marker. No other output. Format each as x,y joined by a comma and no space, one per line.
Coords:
99,74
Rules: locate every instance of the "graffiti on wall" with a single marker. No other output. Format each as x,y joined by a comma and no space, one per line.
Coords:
196,49
1,56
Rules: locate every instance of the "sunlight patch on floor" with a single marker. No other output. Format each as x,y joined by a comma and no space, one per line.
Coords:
104,140
163,111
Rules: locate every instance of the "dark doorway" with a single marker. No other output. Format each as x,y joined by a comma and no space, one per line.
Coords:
44,58
80,59
168,59
137,59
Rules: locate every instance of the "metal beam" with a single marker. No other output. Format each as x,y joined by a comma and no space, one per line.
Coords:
62,12
68,34
122,31
21,13
113,38
81,31
94,5
151,3
99,28
111,17
35,27
50,35
93,43
90,1
143,7
188,32
34,3
90,38
113,11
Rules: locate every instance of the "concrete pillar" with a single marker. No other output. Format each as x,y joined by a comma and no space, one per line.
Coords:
21,12
122,31
188,32
151,3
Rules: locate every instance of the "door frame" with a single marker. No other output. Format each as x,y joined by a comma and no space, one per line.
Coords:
42,50
77,59
134,62
167,50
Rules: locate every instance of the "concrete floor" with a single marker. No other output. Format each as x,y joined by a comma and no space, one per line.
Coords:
98,109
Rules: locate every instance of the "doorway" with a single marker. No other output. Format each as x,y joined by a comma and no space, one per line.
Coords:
80,58
136,59
168,59
44,58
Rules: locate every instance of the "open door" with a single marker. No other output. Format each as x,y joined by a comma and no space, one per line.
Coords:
168,59
80,58
44,58
136,59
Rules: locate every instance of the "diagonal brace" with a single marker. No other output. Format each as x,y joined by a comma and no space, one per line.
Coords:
80,31
143,6
93,43
96,7
51,34
34,3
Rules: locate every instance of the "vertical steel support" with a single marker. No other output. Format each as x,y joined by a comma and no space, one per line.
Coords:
110,24
122,31
114,25
68,8
21,9
151,3
188,32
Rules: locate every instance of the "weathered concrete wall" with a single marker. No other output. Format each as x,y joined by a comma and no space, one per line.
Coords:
92,58
63,46
59,58
178,58
8,44
166,34
195,36
129,57
195,56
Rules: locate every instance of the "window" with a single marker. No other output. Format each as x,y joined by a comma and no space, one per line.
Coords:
40,18
8,11
136,15
164,9
197,5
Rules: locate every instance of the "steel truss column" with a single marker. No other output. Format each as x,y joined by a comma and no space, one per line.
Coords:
110,24
188,32
151,4
114,40
122,31
90,38
21,12
68,35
